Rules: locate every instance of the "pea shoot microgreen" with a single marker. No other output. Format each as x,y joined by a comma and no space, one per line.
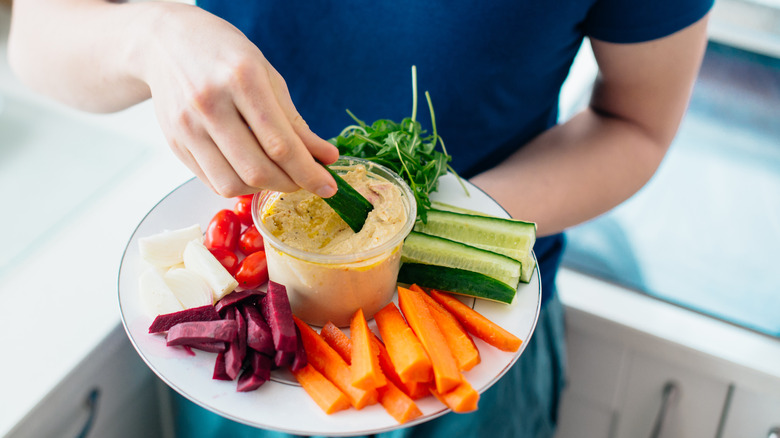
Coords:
403,147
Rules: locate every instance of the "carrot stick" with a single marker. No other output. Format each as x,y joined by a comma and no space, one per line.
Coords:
366,373
445,368
395,401
415,390
338,340
463,398
399,405
477,324
329,398
405,349
325,360
458,339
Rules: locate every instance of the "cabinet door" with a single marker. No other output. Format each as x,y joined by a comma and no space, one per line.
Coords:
752,414
694,411
594,368
111,394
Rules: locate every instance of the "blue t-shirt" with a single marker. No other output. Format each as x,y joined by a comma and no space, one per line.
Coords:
493,68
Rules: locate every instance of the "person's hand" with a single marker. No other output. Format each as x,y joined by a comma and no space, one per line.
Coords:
226,112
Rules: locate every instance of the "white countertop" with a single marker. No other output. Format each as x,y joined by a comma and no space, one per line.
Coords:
61,299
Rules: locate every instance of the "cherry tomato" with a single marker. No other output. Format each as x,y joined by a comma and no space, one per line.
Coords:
227,258
250,241
253,270
223,231
243,209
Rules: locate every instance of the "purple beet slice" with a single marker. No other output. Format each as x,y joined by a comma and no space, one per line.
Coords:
220,373
242,335
259,337
283,358
236,297
275,308
258,372
300,360
198,332
236,351
164,322
210,347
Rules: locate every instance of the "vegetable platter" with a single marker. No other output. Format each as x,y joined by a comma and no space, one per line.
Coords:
281,404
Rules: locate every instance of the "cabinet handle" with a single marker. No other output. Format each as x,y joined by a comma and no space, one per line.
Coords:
668,397
91,403
774,432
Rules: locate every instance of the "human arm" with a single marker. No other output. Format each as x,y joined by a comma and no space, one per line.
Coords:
582,168
209,85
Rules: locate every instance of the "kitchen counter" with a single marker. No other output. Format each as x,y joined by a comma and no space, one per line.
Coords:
740,354
59,293
60,297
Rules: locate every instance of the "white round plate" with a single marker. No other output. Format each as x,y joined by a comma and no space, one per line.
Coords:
280,404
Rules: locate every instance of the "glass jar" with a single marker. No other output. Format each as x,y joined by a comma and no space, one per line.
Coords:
331,287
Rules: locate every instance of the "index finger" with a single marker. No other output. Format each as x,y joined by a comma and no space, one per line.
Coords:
280,142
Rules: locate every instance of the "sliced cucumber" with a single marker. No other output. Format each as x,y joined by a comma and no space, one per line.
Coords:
443,206
510,237
458,281
433,250
348,203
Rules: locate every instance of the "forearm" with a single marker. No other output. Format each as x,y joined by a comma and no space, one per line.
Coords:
82,53
582,168
225,111
574,171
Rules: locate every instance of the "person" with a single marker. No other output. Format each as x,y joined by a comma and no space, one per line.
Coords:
247,92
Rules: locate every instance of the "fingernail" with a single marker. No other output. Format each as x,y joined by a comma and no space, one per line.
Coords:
326,191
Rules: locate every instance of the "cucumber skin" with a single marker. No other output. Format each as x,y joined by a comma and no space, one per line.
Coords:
415,251
449,221
457,281
481,220
529,264
348,203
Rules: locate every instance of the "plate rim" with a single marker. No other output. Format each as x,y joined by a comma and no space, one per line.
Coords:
425,418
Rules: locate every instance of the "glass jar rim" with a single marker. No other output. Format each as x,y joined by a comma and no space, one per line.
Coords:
374,169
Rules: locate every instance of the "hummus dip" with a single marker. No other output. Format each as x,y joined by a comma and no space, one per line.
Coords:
329,270
306,222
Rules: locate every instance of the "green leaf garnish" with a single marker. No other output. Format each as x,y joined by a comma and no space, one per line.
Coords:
404,148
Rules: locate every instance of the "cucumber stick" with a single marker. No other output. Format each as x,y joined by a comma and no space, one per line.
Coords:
434,250
348,203
458,281
443,206
510,237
